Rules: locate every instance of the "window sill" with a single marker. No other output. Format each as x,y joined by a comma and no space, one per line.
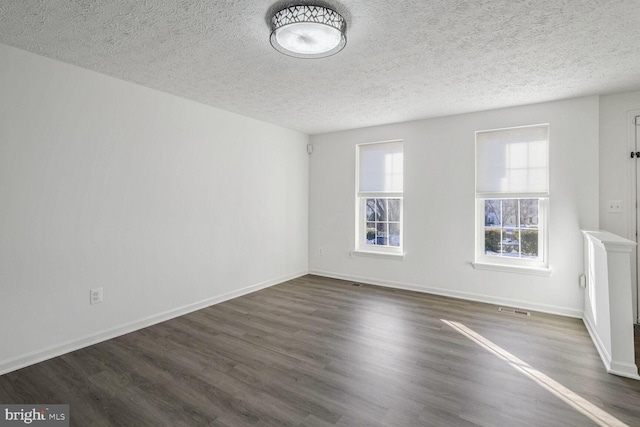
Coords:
384,255
535,271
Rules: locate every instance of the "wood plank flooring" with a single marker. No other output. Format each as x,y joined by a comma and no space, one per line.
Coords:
321,352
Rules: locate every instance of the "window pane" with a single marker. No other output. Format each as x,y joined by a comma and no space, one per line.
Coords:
529,243
371,209
371,233
492,241
529,213
394,234
511,242
492,212
381,233
509,213
394,209
381,209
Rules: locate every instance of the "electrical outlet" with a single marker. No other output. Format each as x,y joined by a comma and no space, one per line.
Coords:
614,206
321,250
350,254
96,295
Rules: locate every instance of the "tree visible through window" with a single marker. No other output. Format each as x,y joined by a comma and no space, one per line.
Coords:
511,227
383,222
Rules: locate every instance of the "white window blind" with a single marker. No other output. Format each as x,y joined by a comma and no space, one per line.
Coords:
380,169
513,162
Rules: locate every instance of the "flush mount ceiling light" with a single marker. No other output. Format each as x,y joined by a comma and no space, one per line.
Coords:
308,31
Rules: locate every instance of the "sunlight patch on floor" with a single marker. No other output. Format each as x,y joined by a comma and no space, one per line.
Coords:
580,404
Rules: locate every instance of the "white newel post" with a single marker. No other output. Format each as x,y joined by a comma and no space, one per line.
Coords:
608,312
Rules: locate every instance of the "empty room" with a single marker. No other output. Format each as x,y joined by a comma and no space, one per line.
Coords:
319,213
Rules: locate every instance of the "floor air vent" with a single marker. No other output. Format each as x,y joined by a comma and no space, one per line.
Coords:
513,311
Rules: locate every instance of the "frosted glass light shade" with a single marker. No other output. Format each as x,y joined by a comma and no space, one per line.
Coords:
308,32
308,38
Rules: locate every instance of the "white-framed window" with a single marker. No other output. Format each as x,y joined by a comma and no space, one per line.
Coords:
512,197
379,198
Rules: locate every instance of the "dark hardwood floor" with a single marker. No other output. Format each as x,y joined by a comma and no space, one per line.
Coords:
322,352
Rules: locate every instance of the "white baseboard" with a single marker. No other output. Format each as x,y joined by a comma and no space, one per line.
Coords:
627,370
22,361
622,369
602,350
543,308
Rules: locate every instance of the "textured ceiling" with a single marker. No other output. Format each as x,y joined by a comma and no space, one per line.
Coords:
404,60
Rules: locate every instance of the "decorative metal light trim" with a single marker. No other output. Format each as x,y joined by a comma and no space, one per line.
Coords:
304,14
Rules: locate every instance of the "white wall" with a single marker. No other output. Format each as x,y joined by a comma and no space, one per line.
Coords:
168,204
439,206
616,166
617,170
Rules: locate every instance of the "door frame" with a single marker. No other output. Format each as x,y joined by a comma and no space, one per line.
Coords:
633,134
